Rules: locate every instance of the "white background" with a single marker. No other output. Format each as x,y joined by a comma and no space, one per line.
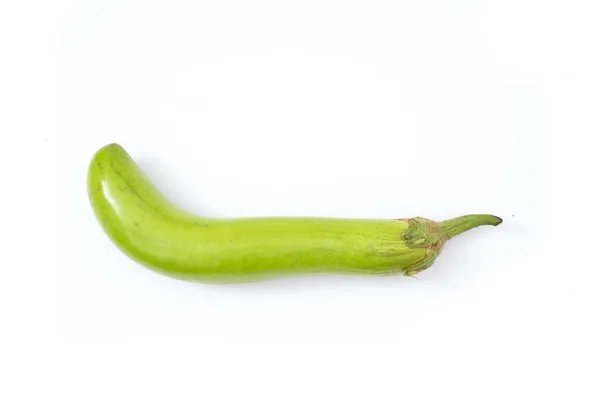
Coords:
370,109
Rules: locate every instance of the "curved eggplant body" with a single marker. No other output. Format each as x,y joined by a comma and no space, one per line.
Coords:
150,229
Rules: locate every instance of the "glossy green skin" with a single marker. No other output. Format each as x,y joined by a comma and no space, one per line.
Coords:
153,231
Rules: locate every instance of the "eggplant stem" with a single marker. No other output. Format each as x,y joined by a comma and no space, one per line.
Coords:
456,226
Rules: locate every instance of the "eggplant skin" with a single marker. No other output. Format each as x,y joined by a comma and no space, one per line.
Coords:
153,231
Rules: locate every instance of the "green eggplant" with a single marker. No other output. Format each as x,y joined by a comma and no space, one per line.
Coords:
153,231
